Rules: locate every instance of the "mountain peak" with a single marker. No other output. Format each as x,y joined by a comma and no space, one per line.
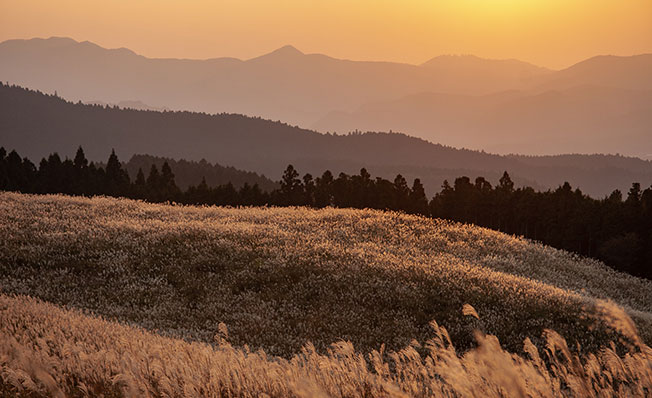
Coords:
57,40
287,50
280,54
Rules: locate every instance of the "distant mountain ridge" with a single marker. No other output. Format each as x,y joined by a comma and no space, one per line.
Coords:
629,72
580,119
36,124
282,85
471,63
538,114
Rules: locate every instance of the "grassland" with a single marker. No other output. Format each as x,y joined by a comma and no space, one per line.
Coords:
50,352
279,278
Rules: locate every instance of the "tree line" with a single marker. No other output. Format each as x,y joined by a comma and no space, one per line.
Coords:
78,176
187,173
616,229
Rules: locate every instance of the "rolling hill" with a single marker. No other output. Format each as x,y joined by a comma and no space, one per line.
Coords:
36,124
261,282
184,269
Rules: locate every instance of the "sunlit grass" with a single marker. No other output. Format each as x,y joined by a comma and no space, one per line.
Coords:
292,282
48,351
278,277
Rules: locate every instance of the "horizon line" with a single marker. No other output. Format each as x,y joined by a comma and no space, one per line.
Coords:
293,47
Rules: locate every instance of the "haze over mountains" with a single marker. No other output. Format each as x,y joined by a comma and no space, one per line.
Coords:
580,119
36,124
601,105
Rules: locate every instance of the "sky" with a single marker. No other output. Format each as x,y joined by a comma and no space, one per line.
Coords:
551,33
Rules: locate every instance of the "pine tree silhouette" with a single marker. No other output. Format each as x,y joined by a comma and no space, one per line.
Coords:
291,187
117,179
418,199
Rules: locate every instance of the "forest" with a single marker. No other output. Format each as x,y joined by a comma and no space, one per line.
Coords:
616,229
37,124
190,172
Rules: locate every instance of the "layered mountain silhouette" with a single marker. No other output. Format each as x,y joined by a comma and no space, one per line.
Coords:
580,119
36,124
633,72
285,84
503,106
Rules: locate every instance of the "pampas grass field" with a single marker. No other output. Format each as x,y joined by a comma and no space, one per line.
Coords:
114,297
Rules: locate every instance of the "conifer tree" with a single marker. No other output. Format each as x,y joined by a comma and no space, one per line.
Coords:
153,185
402,193
504,195
140,177
505,183
80,173
291,187
634,194
80,161
324,189
117,179
169,189
139,187
309,190
418,199
153,178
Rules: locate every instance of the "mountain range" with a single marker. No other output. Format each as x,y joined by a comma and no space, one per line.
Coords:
600,105
579,119
36,124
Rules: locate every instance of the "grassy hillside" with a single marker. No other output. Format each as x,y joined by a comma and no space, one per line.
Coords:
347,298
278,277
46,351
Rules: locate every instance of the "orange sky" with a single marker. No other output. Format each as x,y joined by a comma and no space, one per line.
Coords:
553,33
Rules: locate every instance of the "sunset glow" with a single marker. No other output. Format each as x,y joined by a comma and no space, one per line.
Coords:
552,33
325,198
